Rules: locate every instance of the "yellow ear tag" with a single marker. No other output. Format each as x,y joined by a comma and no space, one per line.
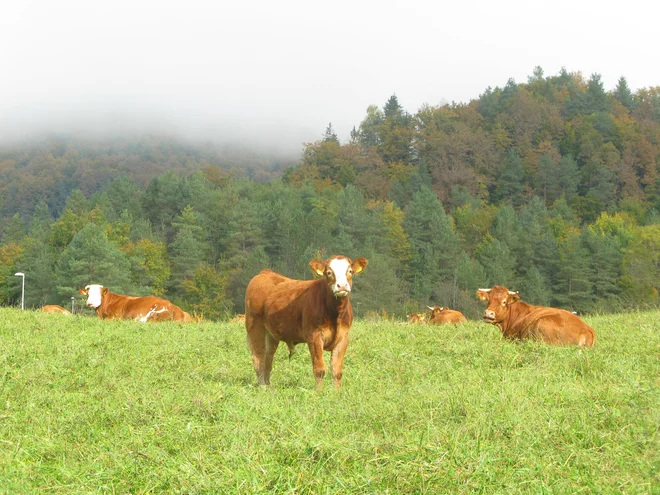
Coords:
319,272
357,269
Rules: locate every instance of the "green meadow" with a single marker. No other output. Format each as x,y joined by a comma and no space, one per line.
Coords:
90,406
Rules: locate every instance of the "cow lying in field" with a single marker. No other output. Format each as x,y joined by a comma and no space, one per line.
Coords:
54,308
316,312
417,318
519,320
441,316
111,306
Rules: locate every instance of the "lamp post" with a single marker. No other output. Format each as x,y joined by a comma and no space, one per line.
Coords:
22,275
72,304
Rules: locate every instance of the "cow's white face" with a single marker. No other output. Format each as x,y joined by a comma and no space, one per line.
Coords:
338,272
94,295
341,286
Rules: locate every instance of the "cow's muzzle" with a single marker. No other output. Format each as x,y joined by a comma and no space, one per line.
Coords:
489,316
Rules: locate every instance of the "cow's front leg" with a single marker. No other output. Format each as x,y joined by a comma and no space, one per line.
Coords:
316,350
337,361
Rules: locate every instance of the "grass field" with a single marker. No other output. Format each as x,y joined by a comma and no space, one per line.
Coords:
123,407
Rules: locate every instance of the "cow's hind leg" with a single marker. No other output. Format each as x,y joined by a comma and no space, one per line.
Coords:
256,332
271,347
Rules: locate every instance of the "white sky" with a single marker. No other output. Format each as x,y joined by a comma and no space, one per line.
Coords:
279,71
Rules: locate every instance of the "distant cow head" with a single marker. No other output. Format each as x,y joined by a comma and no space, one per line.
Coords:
338,272
499,299
94,294
435,310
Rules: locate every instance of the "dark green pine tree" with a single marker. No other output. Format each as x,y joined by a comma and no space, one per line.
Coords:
91,259
38,264
623,94
40,222
509,185
435,247
534,288
573,287
498,261
14,232
606,260
546,256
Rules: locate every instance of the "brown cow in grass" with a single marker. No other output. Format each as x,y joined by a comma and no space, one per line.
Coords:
239,318
519,320
147,308
417,318
441,316
54,308
317,312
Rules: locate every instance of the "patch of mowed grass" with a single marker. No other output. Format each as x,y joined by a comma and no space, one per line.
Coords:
121,407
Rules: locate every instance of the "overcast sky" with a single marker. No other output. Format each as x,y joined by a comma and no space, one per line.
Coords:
279,71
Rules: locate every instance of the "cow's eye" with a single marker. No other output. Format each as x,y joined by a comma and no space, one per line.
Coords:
328,273
350,271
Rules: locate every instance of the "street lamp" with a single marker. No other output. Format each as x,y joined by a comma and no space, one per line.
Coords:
72,304
22,275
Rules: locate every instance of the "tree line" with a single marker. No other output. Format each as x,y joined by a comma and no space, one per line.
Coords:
550,187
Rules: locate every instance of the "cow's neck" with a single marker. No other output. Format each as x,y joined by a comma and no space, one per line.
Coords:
103,307
517,313
339,308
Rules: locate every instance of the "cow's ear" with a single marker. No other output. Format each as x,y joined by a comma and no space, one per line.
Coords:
83,291
104,291
359,265
513,298
318,267
482,294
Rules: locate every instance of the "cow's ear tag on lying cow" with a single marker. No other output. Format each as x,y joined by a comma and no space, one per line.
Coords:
317,267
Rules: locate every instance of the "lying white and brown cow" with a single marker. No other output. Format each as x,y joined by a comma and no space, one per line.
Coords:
111,306
519,320
54,308
441,316
316,312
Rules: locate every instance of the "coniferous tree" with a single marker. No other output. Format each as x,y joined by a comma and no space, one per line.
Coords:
14,232
623,94
435,247
509,185
91,259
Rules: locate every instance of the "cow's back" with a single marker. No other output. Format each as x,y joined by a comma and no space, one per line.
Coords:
54,308
448,316
258,290
552,325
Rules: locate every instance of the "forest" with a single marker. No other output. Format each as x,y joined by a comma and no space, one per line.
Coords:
550,187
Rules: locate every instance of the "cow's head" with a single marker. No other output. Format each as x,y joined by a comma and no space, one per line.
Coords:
499,300
94,293
435,310
338,272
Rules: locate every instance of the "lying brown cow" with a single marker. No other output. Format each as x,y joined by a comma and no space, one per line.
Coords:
239,318
148,308
54,308
519,320
317,312
441,316
416,317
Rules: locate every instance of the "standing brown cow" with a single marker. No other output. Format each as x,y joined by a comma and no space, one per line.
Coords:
111,306
441,316
54,308
317,312
519,320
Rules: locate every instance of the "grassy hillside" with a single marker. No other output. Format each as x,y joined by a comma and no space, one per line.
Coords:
121,407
